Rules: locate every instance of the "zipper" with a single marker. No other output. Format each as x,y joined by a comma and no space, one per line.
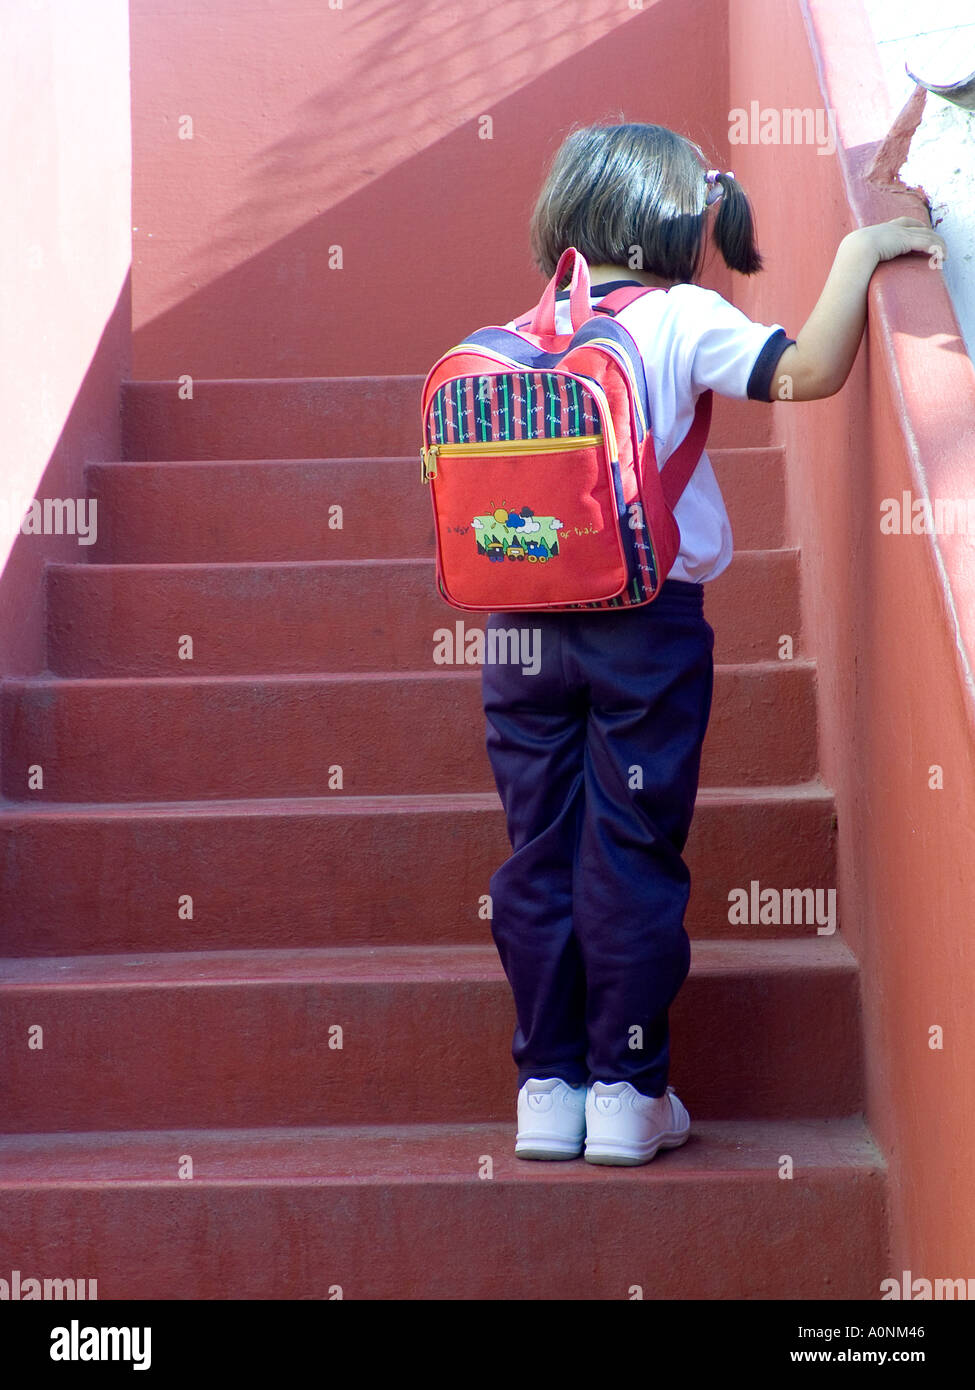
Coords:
586,382
543,445
620,359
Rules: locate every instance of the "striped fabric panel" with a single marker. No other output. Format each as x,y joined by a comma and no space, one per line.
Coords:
516,405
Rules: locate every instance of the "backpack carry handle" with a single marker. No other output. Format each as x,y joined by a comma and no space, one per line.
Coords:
543,320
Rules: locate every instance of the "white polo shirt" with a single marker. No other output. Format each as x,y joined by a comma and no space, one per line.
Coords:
692,339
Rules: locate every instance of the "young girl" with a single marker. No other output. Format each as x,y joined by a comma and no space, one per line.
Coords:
587,913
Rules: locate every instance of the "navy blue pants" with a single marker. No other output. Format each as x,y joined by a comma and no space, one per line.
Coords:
596,756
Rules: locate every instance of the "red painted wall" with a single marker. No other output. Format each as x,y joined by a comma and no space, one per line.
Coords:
891,619
358,127
65,245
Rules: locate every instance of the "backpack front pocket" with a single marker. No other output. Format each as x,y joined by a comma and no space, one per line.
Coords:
527,523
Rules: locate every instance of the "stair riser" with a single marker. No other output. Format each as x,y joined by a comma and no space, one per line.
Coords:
170,513
196,739
333,417
746,1043
293,880
110,622
751,1236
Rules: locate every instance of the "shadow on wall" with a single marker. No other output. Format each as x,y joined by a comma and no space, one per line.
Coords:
436,244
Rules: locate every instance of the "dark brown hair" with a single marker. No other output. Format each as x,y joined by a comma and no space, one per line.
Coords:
625,193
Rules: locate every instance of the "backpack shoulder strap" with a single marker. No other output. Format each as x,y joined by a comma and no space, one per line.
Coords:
612,303
676,472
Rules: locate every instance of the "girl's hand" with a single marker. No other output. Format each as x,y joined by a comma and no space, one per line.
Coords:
899,237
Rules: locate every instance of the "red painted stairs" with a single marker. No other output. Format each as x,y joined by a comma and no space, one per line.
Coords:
383,1168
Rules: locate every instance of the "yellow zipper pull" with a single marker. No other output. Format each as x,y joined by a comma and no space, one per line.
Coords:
428,463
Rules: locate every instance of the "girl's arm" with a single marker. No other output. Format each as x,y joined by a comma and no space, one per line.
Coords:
819,362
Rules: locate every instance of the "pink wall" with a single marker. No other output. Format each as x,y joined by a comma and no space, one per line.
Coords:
65,245
358,127
891,619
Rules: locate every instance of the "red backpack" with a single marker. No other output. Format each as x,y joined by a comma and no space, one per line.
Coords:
540,461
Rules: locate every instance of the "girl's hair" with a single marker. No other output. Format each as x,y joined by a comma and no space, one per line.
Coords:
616,190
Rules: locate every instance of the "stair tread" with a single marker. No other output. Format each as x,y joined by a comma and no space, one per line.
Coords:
376,964
385,562
341,804
288,382
43,682
365,1154
715,453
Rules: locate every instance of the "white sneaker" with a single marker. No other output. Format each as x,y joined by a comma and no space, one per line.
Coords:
624,1127
551,1119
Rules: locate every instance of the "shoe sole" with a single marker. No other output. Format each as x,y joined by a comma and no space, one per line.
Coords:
633,1155
546,1148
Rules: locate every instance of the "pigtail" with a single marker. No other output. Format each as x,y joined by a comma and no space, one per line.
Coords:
734,228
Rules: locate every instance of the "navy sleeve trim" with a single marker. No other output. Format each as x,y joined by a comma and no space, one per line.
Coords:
760,381
605,287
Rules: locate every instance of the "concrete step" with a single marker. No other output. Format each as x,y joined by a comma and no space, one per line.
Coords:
237,510
406,1213
226,1039
345,870
167,739
318,417
334,615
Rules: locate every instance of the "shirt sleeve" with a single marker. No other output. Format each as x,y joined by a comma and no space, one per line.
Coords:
728,352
